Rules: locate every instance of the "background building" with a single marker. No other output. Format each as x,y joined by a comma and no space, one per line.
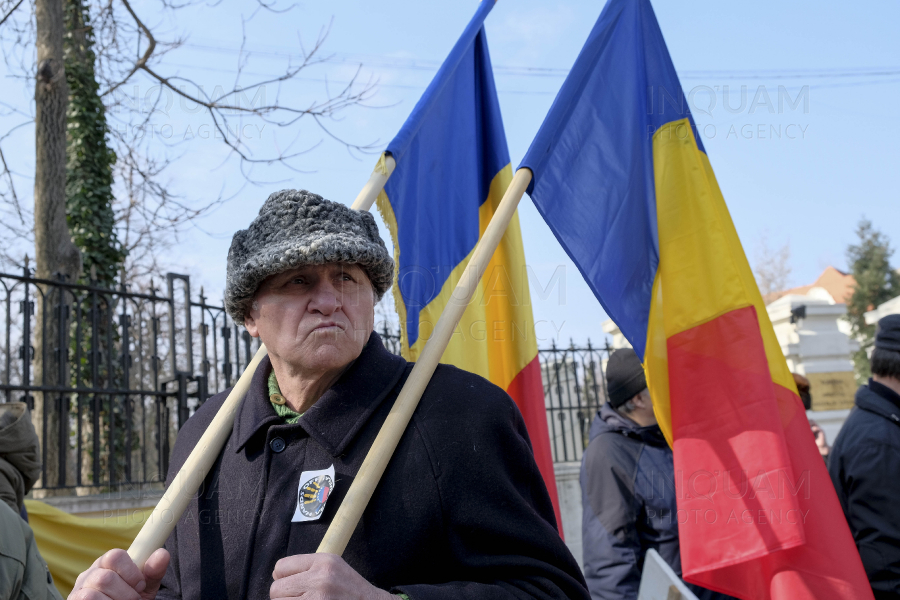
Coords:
815,339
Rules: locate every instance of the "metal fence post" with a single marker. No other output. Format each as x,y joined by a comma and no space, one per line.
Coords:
188,332
125,324
160,400
110,385
248,354
95,377
226,364
27,346
182,397
203,378
62,352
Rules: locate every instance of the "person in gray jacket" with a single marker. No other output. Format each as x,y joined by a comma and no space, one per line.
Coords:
23,573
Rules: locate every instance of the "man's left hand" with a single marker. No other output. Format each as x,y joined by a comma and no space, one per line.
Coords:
321,577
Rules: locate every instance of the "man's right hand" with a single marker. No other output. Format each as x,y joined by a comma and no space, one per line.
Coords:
114,576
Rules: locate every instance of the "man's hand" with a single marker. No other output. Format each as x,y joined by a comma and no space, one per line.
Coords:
114,576
321,577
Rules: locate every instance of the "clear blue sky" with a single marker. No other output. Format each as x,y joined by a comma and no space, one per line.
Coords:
809,191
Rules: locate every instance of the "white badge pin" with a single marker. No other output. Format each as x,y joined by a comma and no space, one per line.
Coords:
315,488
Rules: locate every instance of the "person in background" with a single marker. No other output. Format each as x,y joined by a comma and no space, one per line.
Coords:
625,511
23,573
865,465
803,388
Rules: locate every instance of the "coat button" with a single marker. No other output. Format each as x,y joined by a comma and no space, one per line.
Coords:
277,445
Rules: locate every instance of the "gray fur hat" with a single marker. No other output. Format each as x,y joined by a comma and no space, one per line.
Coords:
296,228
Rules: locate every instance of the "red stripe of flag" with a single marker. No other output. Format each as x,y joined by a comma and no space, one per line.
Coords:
527,390
745,457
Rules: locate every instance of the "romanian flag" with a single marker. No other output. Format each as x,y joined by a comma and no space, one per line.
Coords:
452,169
623,180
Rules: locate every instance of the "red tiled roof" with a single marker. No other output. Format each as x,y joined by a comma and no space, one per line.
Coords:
835,282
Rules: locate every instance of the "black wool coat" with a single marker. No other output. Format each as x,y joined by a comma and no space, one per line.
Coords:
461,511
865,470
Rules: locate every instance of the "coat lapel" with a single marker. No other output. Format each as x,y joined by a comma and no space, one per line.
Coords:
235,497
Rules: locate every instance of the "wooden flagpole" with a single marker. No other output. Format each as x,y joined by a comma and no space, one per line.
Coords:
376,182
363,486
171,506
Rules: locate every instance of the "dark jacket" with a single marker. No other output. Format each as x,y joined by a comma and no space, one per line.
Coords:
628,497
461,511
629,504
865,470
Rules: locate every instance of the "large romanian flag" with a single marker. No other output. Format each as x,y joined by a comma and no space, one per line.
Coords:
452,169
624,182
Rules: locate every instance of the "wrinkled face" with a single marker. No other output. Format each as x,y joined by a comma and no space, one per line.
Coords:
315,318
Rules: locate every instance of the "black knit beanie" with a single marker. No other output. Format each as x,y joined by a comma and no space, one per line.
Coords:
888,336
624,376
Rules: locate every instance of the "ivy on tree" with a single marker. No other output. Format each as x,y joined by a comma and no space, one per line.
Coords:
92,221
876,283
89,159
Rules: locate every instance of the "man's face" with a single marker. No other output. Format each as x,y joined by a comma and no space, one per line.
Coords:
643,413
315,318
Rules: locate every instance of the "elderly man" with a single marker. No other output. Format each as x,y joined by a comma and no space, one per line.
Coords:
461,511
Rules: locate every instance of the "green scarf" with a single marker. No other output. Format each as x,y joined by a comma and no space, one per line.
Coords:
282,410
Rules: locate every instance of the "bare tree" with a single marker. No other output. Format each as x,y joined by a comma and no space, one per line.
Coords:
148,205
772,266
56,256
149,209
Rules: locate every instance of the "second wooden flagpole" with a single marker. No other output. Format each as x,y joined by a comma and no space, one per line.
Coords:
373,187
171,506
376,461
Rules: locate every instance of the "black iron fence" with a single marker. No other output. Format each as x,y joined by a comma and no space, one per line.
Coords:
574,388
112,374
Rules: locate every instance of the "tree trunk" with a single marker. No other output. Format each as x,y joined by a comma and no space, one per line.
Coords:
56,255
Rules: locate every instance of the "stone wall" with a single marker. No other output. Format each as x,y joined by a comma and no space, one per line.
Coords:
569,489
104,506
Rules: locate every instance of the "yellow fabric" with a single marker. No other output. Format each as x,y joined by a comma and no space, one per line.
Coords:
71,544
703,272
496,337
656,362
504,295
471,331
381,165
